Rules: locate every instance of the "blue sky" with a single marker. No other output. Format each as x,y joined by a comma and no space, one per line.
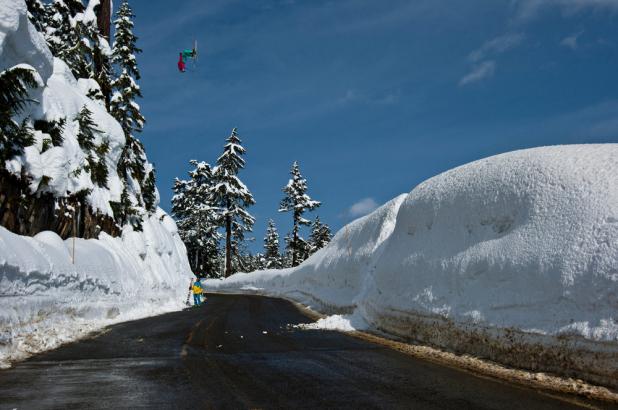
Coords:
371,97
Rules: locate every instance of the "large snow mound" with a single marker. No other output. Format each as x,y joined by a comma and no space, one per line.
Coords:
525,239
512,257
46,299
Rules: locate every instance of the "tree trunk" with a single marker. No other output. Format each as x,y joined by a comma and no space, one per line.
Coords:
228,245
104,18
295,237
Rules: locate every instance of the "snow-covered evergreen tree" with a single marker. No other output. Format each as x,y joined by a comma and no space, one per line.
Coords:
298,202
96,51
103,71
14,137
72,34
58,30
95,155
197,219
272,254
320,235
37,14
123,105
232,197
251,262
133,166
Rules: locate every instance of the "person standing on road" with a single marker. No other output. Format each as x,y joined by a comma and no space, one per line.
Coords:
197,292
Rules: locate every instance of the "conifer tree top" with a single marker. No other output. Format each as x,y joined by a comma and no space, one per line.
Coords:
296,193
124,49
231,158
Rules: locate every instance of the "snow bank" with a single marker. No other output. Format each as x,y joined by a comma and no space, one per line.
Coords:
333,277
46,300
512,257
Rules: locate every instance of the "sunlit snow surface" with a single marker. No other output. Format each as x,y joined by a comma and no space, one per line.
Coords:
524,240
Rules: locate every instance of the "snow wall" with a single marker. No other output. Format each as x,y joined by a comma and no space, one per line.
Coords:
512,258
45,299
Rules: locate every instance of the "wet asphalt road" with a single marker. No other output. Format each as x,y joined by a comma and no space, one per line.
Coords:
243,352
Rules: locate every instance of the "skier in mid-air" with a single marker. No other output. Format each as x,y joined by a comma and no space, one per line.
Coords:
182,67
185,55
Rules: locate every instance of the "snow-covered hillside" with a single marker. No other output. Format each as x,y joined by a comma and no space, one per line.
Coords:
59,96
512,257
45,298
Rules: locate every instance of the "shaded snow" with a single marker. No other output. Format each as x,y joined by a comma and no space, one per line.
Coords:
47,300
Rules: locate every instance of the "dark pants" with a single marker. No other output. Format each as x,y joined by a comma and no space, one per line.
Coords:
197,299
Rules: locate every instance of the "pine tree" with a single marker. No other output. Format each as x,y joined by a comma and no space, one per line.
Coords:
272,256
87,129
298,202
14,137
197,219
74,6
123,105
37,14
133,164
125,211
320,235
99,172
149,190
95,155
103,71
232,197
58,34
95,51
69,37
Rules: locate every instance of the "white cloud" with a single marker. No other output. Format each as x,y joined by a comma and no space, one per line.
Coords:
529,9
497,45
571,41
362,207
355,96
479,72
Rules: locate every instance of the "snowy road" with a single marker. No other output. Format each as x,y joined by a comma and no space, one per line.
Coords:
244,352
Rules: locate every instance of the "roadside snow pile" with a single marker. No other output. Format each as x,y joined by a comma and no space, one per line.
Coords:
331,278
343,323
46,300
512,257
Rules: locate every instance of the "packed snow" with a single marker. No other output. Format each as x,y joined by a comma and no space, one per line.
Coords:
512,257
343,323
45,298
